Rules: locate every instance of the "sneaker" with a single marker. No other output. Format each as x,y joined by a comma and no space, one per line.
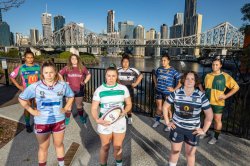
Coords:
67,121
166,129
212,141
130,120
83,119
156,124
203,136
29,129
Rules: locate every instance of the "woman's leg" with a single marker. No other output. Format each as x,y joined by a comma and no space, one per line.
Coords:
158,112
59,146
190,154
117,144
43,141
80,109
67,115
105,144
175,152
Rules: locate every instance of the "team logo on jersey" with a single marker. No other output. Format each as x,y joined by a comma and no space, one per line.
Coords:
186,108
42,94
60,93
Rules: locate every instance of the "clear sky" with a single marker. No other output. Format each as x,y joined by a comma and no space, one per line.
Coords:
93,13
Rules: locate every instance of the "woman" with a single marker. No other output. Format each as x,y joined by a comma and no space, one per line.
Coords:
130,77
76,76
216,84
166,80
30,73
185,126
109,95
49,115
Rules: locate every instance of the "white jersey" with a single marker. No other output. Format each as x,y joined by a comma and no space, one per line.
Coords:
110,96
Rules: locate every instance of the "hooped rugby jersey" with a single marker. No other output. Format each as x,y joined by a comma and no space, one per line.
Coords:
188,108
49,100
29,74
129,76
110,96
166,78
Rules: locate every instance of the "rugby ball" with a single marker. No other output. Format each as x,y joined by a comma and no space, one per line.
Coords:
112,115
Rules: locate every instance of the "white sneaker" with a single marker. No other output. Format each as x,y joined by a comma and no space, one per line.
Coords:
130,120
156,124
203,136
166,129
212,141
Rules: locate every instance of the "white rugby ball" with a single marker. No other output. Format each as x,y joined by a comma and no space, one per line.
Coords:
112,115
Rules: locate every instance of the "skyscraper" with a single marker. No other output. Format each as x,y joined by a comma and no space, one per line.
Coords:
1,20
178,19
111,21
5,34
190,11
139,34
59,22
46,23
126,29
164,31
34,36
150,34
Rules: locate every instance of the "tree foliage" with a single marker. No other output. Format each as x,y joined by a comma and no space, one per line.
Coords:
245,10
8,4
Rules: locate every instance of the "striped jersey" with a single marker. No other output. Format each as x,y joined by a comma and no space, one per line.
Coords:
215,85
129,76
110,96
166,78
29,74
49,100
188,108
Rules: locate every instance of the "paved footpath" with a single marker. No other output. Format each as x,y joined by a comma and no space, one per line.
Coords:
143,145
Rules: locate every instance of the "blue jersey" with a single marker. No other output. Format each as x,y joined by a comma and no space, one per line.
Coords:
188,108
49,100
166,78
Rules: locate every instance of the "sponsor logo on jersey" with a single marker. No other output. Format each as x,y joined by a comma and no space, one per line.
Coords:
42,94
32,79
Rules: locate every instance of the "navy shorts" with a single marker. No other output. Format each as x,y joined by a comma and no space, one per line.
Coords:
179,135
79,93
160,96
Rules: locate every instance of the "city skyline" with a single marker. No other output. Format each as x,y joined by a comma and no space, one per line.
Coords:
28,15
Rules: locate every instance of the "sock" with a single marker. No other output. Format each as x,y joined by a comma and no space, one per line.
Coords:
157,118
42,164
118,162
67,114
216,133
27,120
60,161
80,112
172,164
129,115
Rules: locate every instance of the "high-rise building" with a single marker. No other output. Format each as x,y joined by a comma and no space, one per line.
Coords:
12,39
18,39
111,21
34,36
189,13
150,34
5,34
178,19
139,34
46,23
59,22
164,31
1,20
126,29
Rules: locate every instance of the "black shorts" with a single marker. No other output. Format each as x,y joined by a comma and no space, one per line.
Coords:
160,96
79,93
179,135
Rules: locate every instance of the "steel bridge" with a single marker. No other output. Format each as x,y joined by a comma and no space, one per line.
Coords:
223,36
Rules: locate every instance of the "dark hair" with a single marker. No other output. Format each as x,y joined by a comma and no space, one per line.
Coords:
49,64
112,67
125,56
217,58
196,77
165,55
28,52
79,63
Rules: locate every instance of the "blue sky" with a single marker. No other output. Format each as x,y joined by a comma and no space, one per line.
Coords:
93,13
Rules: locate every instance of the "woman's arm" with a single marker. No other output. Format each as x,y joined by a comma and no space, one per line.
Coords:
128,105
68,104
95,114
138,80
25,105
87,78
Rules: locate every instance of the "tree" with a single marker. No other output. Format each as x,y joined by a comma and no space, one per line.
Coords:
245,10
8,4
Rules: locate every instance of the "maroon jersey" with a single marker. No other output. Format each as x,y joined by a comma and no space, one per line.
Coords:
74,77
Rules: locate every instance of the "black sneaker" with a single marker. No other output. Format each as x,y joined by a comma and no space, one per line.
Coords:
29,129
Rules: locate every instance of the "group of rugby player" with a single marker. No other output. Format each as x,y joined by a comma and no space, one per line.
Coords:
43,90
